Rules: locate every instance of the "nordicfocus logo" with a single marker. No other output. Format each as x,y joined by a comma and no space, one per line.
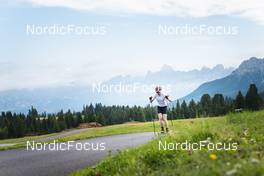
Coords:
127,88
198,30
187,145
68,29
65,146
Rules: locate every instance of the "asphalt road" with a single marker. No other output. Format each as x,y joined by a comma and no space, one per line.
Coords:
55,136
20,162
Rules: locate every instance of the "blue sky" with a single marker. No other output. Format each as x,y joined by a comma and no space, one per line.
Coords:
132,44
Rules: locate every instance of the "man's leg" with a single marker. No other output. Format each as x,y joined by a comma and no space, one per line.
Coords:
161,122
165,121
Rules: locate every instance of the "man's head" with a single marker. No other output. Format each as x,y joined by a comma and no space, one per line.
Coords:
158,89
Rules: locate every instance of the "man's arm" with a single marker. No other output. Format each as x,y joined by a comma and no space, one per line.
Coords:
167,97
151,99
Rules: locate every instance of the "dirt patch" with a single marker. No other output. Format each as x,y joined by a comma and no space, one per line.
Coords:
90,125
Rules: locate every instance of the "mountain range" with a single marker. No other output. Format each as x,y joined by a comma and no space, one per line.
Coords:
250,71
74,97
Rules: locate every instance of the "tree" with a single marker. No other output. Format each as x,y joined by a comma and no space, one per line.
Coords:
20,125
69,119
31,120
262,95
44,128
38,125
199,109
3,133
184,110
262,99
100,118
192,109
11,124
78,118
229,104
218,105
206,104
149,112
2,120
89,113
61,122
253,99
178,110
240,101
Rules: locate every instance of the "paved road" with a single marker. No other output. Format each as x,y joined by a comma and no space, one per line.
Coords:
63,134
46,162
55,136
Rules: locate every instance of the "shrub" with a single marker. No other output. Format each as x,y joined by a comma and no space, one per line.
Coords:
3,133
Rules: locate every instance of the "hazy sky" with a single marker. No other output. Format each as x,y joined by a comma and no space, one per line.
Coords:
130,39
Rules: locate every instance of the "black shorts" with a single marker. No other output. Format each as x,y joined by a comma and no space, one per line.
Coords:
162,110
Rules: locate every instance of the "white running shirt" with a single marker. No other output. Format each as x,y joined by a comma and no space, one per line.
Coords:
160,99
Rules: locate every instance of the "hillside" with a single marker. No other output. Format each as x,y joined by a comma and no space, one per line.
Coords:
262,95
244,129
249,71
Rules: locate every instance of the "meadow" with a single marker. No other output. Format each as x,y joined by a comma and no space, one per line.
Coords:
134,127
246,129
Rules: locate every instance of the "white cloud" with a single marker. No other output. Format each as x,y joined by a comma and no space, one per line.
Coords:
249,9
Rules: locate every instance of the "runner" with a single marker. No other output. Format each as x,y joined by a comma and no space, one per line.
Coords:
162,108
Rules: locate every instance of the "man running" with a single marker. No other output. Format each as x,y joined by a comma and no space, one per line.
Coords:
162,108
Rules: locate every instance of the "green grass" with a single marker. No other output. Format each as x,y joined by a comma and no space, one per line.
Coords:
24,139
93,132
246,129
110,130
21,142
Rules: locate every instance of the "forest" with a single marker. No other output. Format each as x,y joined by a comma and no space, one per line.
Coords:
14,125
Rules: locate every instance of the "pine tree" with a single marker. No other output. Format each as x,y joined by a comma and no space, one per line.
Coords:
99,118
240,101
31,120
20,125
178,110
253,99
61,125
69,119
2,124
44,128
192,109
78,118
218,105
184,110
206,104
3,133
10,125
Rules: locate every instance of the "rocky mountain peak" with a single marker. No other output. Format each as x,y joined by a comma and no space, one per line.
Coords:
251,65
166,68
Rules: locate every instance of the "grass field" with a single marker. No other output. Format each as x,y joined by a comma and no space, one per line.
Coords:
111,130
93,132
24,139
21,142
246,129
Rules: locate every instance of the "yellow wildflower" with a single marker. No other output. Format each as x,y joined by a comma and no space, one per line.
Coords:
213,156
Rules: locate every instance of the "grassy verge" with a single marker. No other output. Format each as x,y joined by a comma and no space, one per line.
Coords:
21,142
24,139
110,130
245,129
93,132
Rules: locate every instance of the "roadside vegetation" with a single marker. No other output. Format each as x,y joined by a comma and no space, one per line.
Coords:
245,129
89,133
